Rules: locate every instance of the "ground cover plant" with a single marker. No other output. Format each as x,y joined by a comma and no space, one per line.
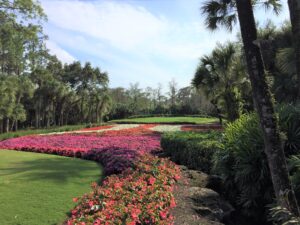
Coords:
171,120
142,195
38,188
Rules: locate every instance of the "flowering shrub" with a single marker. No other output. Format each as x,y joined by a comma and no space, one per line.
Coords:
115,153
142,195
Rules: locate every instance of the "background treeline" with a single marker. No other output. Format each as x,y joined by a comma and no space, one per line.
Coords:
36,89
135,101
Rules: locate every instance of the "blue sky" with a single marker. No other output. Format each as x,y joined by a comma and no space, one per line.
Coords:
144,41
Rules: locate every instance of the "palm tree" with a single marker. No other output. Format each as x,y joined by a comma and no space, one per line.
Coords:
221,76
226,12
294,7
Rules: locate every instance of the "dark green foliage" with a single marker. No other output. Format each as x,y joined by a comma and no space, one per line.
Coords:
243,164
289,116
195,150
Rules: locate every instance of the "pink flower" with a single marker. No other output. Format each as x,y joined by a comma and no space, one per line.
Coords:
163,215
151,180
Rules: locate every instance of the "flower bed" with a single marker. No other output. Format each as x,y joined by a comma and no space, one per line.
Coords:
201,127
115,152
142,195
144,129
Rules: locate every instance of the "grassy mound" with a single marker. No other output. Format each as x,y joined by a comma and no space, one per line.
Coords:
38,188
169,120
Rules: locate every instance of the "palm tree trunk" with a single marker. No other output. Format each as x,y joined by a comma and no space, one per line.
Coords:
294,7
264,105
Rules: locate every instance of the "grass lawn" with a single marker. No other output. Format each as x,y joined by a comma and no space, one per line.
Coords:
175,120
40,131
37,189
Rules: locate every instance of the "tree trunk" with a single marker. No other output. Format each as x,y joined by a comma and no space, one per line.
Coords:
6,128
294,7
264,105
16,126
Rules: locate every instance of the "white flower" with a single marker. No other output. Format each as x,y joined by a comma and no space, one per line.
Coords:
166,128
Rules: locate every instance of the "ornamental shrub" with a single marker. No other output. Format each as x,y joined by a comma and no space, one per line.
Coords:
195,150
243,166
242,163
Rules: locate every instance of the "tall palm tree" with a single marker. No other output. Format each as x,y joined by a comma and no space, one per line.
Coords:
226,12
294,7
220,75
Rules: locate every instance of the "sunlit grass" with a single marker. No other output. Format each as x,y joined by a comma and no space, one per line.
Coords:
175,120
37,189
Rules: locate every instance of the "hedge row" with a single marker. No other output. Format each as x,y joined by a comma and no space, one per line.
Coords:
195,150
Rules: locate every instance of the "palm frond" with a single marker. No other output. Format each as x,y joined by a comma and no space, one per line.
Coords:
286,60
219,12
275,5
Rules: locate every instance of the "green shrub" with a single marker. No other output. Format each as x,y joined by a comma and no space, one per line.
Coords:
243,165
195,150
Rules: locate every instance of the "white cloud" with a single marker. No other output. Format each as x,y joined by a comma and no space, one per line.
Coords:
121,24
138,45
61,54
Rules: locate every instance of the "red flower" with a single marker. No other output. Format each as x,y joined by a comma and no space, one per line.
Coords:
135,213
176,177
151,180
163,215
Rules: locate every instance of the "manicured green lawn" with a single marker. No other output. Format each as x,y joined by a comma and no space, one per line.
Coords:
40,131
195,120
37,189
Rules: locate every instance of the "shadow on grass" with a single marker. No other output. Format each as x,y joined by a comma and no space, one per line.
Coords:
59,170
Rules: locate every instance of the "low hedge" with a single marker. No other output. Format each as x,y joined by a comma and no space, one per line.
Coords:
194,150
170,115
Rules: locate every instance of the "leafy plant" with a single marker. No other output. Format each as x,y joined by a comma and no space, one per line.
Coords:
282,216
243,165
289,117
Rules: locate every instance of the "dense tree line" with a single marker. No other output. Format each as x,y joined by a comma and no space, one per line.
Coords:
135,101
37,90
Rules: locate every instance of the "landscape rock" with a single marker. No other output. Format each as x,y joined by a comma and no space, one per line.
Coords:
209,203
196,204
197,178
